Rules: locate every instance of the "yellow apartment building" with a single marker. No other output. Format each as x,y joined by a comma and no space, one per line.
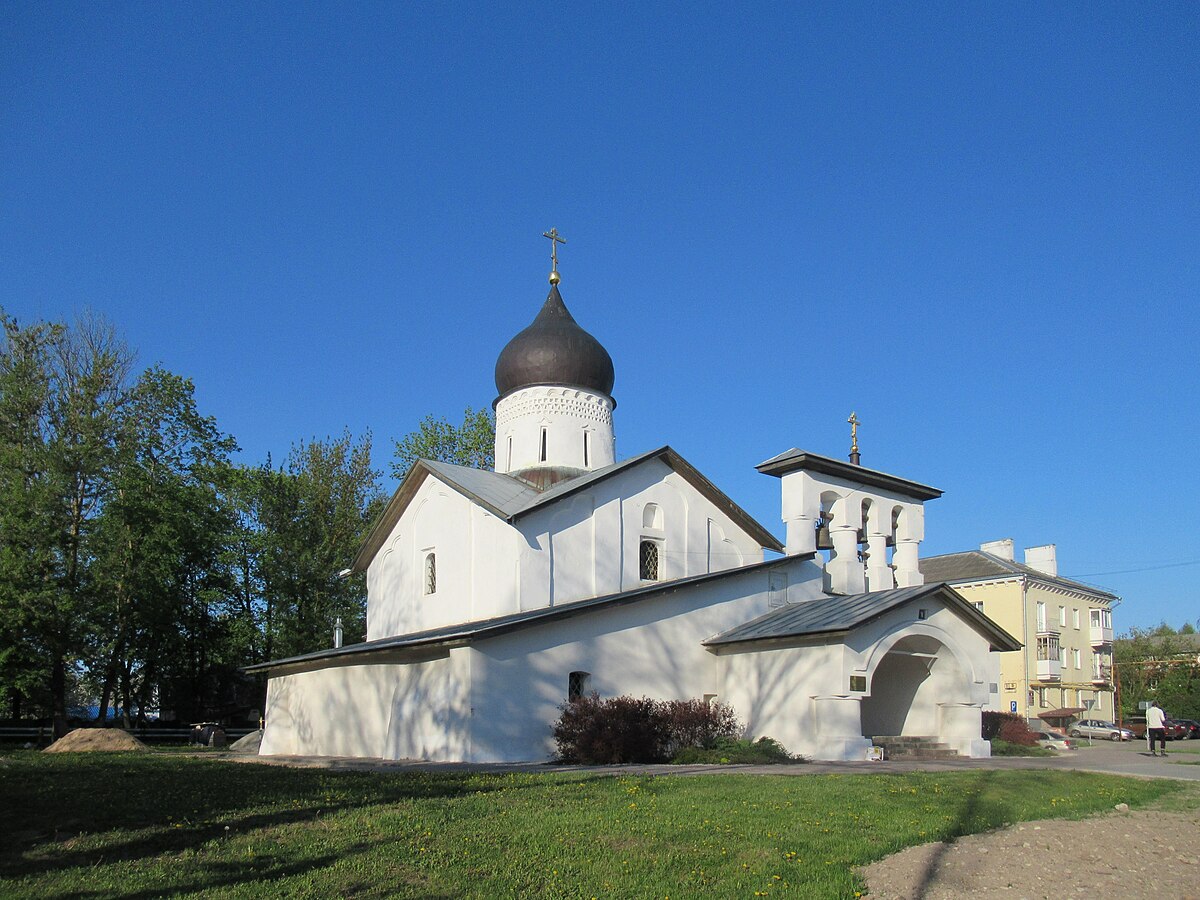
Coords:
1066,627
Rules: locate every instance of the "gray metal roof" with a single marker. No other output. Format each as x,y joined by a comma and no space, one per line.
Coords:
468,632
502,494
795,459
837,614
972,565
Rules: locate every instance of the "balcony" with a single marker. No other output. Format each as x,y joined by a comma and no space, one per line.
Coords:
1102,674
1049,670
1049,663
1101,636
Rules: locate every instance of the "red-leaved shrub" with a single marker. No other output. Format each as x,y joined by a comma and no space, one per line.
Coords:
629,729
1017,732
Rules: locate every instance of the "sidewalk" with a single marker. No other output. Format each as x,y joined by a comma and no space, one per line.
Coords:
1130,758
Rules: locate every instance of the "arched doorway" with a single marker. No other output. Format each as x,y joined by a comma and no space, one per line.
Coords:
916,679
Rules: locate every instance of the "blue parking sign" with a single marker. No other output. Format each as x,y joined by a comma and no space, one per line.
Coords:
1012,706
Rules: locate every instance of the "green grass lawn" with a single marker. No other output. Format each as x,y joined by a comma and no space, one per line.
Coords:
148,825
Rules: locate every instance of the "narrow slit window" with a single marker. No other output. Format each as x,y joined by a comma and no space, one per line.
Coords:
586,441
509,464
430,573
542,454
648,559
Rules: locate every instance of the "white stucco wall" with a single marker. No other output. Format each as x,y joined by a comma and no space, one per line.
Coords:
649,648
476,557
583,545
587,545
416,710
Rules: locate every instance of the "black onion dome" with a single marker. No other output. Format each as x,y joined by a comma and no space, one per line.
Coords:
554,350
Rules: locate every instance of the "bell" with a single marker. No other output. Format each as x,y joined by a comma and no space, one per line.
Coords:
824,541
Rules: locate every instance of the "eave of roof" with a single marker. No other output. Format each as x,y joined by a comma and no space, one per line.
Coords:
467,632
795,460
836,615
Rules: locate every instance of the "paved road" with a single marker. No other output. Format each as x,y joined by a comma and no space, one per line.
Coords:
1130,758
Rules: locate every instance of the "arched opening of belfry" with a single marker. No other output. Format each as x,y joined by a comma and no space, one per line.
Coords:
916,675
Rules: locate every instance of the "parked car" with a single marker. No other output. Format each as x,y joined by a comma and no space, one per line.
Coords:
1174,731
1193,728
1101,730
1053,741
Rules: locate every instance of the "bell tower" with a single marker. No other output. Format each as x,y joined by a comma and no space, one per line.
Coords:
871,521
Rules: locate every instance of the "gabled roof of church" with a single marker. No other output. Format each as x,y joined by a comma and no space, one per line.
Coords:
510,498
836,614
469,632
974,565
682,467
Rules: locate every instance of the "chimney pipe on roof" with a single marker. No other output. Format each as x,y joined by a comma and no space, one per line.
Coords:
1002,548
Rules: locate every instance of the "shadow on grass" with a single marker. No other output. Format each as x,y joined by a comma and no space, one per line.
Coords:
170,805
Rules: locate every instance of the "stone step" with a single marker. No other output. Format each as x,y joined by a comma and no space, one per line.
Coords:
914,747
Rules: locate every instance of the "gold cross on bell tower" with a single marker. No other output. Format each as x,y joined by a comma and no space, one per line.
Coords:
854,423
555,240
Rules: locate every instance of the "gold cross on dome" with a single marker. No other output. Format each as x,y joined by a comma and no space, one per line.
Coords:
854,423
555,240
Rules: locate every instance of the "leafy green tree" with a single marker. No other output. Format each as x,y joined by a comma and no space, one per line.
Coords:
61,395
313,513
470,444
1159,664
161,587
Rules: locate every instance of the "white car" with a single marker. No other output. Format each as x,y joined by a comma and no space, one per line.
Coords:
1100,730
1053,741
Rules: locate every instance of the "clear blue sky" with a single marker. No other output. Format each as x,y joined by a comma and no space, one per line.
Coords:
977,225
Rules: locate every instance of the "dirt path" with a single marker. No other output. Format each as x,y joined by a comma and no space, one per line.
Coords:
1120,854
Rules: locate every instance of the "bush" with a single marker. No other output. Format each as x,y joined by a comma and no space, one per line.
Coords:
608,732
1004,748
725,751
694,723
993,720
628,729
1017,732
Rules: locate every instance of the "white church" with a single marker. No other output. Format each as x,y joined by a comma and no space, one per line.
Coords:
495,597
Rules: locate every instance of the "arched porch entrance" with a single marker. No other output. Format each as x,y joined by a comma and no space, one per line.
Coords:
920,689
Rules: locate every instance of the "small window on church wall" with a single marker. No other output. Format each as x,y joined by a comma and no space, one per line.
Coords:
649,561
509,464
586,442
430,573
777,584
542,452
652,516
579,685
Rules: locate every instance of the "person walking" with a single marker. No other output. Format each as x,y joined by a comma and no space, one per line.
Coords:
1156,727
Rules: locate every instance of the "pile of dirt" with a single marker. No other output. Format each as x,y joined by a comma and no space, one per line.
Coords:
1142,854
105,740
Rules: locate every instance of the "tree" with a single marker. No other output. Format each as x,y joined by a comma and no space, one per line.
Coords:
1159,664
61,394
313,513
470,444
161,589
